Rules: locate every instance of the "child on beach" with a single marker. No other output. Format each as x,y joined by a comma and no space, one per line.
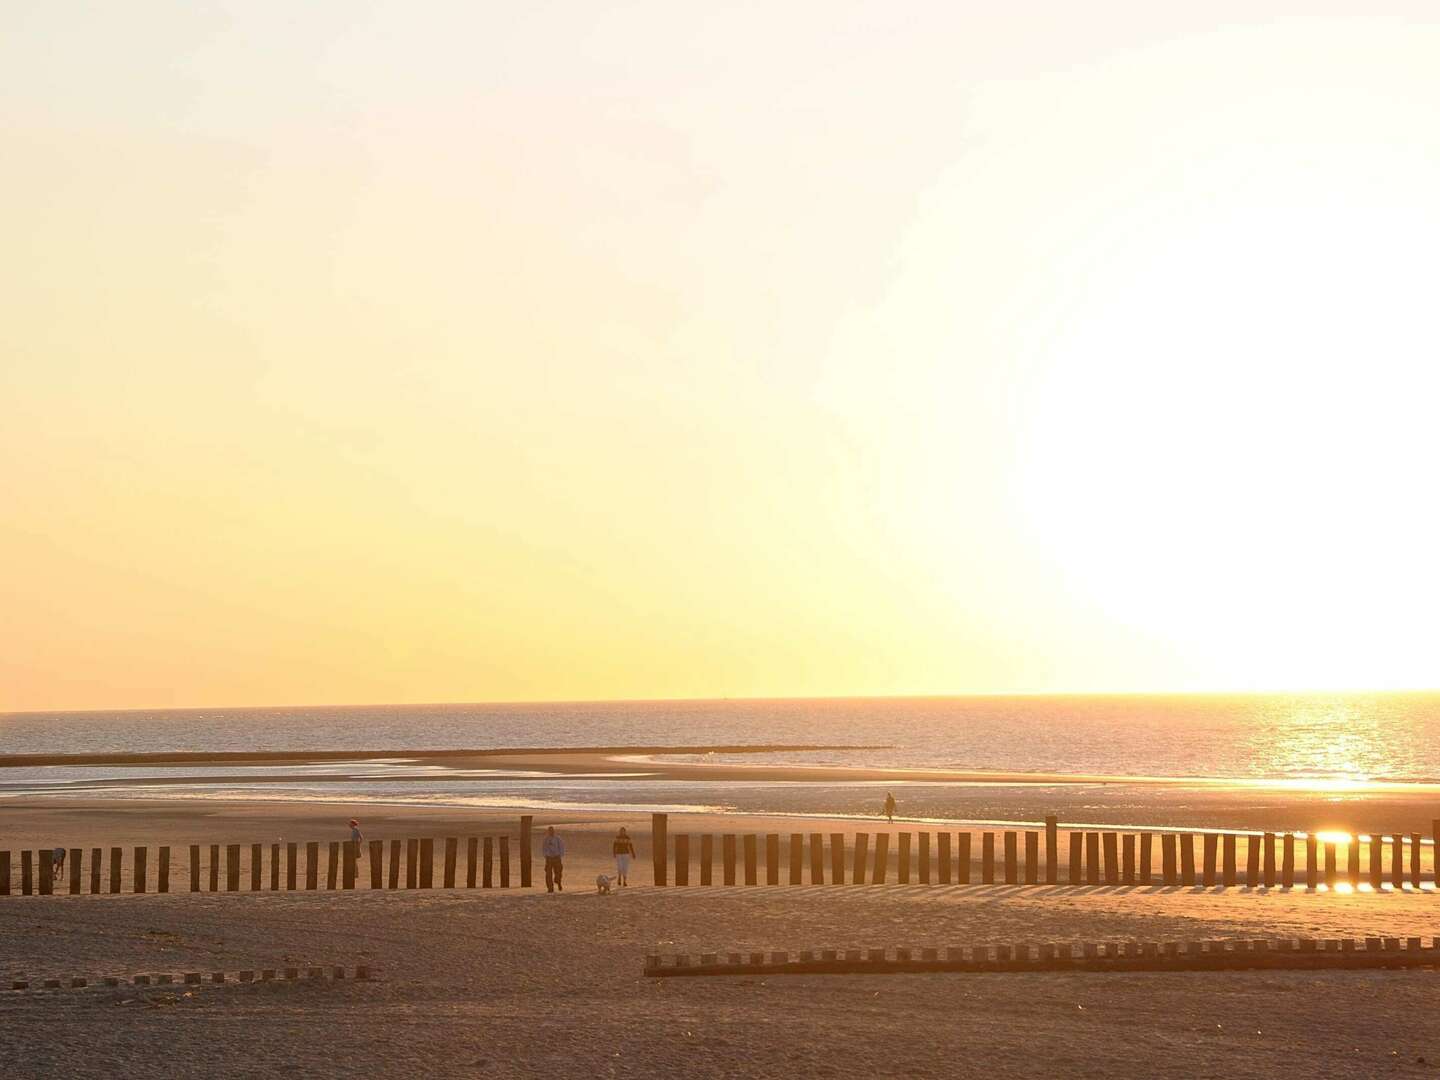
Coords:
358,838
889,807
624,850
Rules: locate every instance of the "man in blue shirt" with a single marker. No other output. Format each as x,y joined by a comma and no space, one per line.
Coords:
553,848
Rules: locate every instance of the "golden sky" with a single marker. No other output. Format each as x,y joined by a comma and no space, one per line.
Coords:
392,352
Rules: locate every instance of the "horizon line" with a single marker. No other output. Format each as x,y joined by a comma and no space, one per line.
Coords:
1278,691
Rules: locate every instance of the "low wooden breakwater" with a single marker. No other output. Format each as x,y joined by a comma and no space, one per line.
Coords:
1218,955
1091,857
362,973
414,863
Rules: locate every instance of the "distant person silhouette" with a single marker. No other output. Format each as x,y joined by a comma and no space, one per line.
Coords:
890,808
357,838
553,848
624,851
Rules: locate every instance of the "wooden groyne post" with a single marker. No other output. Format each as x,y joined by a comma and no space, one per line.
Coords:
527,842
660,846
682,859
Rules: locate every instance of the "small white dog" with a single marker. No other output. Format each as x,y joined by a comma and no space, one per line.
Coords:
602,884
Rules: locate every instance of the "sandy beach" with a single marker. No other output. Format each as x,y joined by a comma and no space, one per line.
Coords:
521,983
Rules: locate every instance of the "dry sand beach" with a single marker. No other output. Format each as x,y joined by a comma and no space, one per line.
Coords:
522,983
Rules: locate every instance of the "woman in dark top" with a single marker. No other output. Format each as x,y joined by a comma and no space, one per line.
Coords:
624,849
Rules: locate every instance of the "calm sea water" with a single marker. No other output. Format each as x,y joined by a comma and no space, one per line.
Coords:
1377,736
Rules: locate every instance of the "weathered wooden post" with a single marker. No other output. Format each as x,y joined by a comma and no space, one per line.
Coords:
797,858
924,858
1377,854
1352,851
1415,860
962,858
987,858
27,872
1227,870
1012,858
660,842
312,864
527,844
1167,858
1267,853
257,865
682,859
351,856
275,866
487,863
1397,860
1287,860
94,871
46,867
1032,857
1252,861
1127,859
427,862
862,847
412,863
707,859
115,856
817,859
1112,858
504,862
4,873
1092,858
749,846
1186,841
1331,864
377,864
727,858
837,858
882,859
139,878
902,859
392,871
75,870
1209,842
1052,849
194,868
332,865
472,861
1146,861
1435,851
452,851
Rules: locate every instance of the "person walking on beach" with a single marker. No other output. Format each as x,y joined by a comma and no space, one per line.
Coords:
357,838
890,808
57,860
553,848
624,849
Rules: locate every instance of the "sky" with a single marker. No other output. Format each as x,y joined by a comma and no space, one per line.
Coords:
384,352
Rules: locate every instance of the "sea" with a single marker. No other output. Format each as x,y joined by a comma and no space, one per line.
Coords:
1329,738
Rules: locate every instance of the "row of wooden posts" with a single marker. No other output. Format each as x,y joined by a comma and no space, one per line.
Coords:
1214,955
342,860
1094,858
